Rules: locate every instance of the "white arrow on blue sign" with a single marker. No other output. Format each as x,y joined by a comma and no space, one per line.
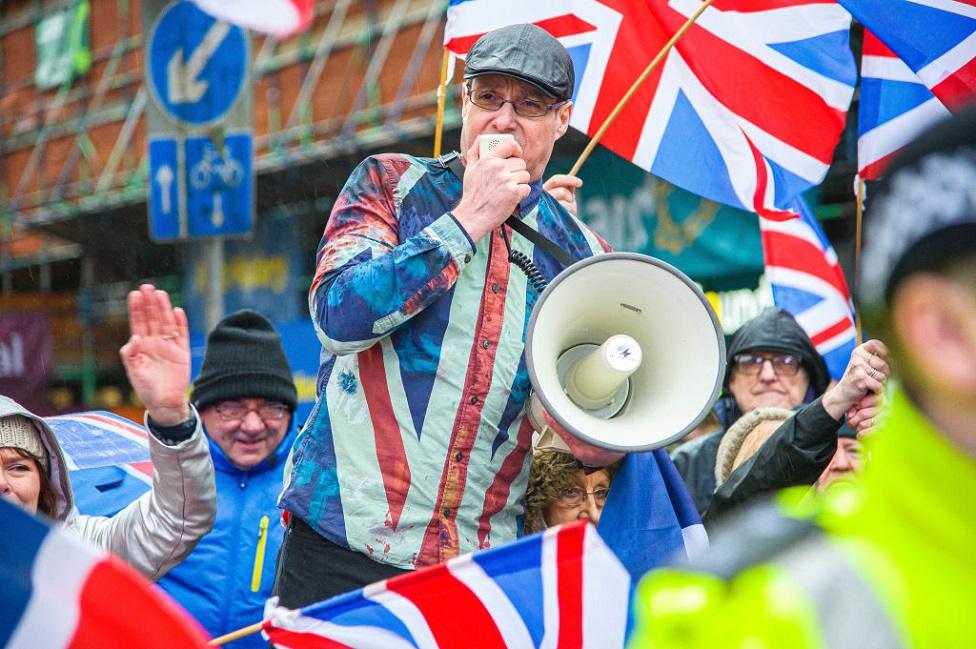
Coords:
197,64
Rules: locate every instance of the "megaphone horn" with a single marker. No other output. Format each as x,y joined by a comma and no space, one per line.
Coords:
624,352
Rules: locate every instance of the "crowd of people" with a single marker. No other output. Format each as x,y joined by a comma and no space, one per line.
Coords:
418,448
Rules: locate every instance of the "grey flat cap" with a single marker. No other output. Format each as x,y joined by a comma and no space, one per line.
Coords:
527,53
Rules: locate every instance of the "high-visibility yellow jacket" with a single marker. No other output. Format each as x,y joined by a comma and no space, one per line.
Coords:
888,561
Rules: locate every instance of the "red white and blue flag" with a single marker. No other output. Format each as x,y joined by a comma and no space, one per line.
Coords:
107,457
560,588
808,282
893,107
57,593
935,38
746,110
279,18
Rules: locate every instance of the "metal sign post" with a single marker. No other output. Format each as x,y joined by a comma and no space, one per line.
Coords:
200,137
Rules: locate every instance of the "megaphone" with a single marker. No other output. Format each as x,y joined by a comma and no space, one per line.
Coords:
624,352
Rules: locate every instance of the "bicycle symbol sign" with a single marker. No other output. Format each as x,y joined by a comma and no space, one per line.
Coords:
219,187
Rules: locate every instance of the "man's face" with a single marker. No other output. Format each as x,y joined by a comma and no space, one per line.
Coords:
846,461
246,430
769,383
536,135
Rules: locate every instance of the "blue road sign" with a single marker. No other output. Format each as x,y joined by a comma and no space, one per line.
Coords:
219,185
197,64
164,191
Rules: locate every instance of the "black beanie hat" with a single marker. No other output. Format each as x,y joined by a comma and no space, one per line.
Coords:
244,359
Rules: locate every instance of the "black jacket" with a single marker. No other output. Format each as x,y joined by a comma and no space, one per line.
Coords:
799,451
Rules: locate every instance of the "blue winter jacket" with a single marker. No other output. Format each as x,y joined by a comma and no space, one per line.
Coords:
229,575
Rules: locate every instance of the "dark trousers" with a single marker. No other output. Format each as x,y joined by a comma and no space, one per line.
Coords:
311,568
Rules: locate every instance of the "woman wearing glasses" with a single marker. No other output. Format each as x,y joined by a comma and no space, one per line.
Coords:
562,490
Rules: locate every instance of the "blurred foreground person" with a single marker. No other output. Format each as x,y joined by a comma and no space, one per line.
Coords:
888,561
155,532
246,398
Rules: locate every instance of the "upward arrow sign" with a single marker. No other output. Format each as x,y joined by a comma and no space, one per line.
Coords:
183,86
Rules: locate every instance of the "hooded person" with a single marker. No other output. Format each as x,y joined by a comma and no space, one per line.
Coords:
155,532
773,363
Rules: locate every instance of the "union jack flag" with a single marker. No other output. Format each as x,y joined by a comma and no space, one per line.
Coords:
894,107
561,588
107,457
746,110
807,281
936,38
58,593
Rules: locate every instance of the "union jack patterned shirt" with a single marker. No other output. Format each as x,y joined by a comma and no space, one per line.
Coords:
416,450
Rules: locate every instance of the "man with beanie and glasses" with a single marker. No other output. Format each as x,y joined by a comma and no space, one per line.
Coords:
246,397
418,447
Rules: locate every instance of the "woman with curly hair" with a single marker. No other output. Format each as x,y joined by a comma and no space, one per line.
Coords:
562,490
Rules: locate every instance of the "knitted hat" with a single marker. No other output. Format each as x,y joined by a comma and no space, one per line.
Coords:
244,359
19,432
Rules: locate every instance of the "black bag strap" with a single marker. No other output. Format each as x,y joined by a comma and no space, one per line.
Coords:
452,160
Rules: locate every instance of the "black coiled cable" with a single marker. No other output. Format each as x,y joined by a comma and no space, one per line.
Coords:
531,271
526,265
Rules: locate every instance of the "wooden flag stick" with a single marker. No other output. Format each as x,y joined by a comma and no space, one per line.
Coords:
637,84
441,100
234,635
858,216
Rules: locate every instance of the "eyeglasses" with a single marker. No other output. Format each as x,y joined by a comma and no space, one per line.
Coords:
783,364
231,411
490,100
574,496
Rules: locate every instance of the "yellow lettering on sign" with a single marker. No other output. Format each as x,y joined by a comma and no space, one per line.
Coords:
248,274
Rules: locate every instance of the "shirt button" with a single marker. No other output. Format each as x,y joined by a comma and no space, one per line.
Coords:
467,258
447,513
495,288
458,456
485,344
473,401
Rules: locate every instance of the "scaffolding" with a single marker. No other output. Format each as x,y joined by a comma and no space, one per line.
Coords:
364,75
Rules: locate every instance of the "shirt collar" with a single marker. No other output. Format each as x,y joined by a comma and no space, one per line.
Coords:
529,202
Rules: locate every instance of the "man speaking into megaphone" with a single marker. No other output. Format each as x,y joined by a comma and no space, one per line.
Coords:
417,449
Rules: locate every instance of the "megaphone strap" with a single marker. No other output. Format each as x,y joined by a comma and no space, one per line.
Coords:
452,161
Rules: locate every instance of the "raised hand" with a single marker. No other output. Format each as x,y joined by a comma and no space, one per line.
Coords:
865,375
493,187
157,355
563,188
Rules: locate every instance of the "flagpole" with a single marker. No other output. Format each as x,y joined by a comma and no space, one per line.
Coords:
441,100
234,635
858,214
637,84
